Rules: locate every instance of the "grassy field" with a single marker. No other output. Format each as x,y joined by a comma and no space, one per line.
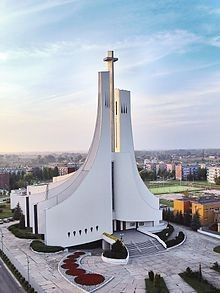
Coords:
150,286
199,286
6,211
166,202
173,189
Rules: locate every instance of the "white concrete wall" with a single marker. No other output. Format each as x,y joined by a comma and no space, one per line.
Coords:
133,200
90,204
63,177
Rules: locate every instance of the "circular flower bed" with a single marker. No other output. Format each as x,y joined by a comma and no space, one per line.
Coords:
89,279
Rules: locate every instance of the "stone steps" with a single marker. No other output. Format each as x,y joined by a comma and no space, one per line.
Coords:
151,246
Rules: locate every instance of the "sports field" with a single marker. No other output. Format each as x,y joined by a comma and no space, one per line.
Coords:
173,189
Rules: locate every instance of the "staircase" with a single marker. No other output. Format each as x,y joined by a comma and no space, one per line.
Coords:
151,246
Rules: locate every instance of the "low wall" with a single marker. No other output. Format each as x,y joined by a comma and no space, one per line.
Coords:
115,261
152,235
208,234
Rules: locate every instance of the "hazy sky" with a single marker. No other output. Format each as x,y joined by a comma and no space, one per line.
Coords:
51,51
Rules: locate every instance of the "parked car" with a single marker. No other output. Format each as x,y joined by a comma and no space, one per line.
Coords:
1,222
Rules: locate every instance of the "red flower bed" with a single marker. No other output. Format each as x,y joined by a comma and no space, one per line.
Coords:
69,261
72,269
78,253
75,272
89,279
68,266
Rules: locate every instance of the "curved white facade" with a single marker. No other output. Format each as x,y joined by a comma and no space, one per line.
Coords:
106,193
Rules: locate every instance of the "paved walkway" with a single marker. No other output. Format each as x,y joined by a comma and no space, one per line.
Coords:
129,278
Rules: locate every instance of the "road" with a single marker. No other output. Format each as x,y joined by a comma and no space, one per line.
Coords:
7,282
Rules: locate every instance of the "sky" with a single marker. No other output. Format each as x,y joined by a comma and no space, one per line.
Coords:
51,51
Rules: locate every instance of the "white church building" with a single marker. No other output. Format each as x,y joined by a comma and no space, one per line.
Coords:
106,194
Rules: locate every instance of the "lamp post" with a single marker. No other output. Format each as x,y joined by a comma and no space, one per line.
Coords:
2,236
28,266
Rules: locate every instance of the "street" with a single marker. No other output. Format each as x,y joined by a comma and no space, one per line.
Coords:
7,283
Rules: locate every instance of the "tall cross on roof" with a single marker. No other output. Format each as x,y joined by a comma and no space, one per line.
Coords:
110,59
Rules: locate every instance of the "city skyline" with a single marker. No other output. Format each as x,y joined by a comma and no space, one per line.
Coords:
50,52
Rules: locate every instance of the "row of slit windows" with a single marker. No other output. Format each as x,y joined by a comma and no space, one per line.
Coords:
85,231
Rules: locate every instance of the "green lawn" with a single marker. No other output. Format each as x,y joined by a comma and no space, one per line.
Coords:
199,286
166,202
217,249
6,211
150,286
173,189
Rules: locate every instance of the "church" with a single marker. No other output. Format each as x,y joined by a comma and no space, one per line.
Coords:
106,194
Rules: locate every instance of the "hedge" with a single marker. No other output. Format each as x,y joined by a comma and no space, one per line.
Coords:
118,251
16,273
179,238
164,234
23,233
39,246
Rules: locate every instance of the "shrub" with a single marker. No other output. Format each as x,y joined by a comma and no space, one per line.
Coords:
217,249
164,234
23,233
151,275
157,281
39,246
21,224
118,251
179,238
17,212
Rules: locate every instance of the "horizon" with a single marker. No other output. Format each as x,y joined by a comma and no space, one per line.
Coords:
48,89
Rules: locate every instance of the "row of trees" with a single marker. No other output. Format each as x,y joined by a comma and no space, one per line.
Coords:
23,179
186,219
148,175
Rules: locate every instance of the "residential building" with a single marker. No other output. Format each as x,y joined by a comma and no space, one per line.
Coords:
212,173
178,171
208,209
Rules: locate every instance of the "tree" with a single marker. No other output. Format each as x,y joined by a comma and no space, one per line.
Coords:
187,218
55,172
17,212
217,180
177,217
21,224
195,224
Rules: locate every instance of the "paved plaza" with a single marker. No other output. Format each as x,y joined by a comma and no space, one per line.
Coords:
127,278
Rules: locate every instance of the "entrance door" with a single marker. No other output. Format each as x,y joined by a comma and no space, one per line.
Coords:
118,225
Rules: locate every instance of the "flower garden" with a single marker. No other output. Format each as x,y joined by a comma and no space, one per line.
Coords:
70,267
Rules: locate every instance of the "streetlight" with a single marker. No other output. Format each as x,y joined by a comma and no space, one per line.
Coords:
28,266
2,236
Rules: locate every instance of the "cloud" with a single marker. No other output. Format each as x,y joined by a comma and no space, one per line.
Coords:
30,8
4,56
